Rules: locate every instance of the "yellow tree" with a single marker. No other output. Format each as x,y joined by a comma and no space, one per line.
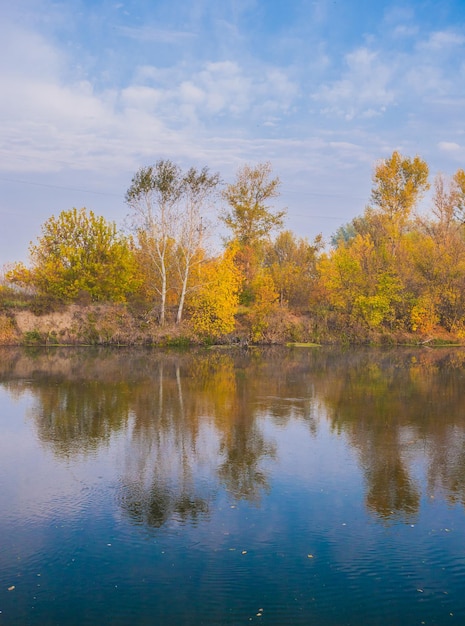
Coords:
250,217
458,189
358,284
214,304
78,254
398,184
292,264
266,302
438,253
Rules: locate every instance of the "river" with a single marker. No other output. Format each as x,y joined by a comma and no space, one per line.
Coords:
266,486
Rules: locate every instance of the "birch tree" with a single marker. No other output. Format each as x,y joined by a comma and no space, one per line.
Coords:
198,189
154,197
168,212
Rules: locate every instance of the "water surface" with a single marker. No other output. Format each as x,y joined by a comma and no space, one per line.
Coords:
283,486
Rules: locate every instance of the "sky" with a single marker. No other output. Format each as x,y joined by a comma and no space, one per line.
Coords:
92,90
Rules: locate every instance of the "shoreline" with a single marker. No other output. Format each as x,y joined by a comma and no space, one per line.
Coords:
115,325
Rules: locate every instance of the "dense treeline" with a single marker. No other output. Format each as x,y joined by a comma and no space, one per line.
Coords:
390,274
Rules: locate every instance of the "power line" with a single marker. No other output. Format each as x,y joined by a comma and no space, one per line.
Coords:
114,195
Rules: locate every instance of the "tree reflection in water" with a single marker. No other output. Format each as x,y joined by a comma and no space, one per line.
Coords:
392,405
194,422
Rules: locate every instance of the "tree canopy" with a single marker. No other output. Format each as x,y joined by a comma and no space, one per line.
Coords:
79,254
249,216
168,208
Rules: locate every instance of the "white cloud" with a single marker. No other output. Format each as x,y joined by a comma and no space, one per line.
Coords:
159,35
141,97
405,31
217,99
448,146
27,55
364,90
443,40
52,122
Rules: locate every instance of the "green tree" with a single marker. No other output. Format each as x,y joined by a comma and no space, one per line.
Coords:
250,217
359,285
79,253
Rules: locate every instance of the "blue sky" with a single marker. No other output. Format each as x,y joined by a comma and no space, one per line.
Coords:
92,90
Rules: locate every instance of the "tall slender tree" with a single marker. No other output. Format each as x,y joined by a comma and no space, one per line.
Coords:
154,197
198,190
168,214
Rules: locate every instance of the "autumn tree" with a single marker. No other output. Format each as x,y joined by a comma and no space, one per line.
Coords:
168,215
78,253
215,302
358,285
249,215
198,190
438,253
291,261
153,197
398,184
458,191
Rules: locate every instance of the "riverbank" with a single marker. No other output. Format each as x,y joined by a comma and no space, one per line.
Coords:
119,325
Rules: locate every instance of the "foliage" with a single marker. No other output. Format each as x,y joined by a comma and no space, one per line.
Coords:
266,302
167,210
214,304
390,271
78,253
292,265
8,331
398,184
249,217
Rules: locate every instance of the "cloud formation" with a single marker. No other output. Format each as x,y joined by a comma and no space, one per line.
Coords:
91,91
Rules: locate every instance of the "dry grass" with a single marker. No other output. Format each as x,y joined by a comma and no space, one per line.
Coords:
103,324
8,331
